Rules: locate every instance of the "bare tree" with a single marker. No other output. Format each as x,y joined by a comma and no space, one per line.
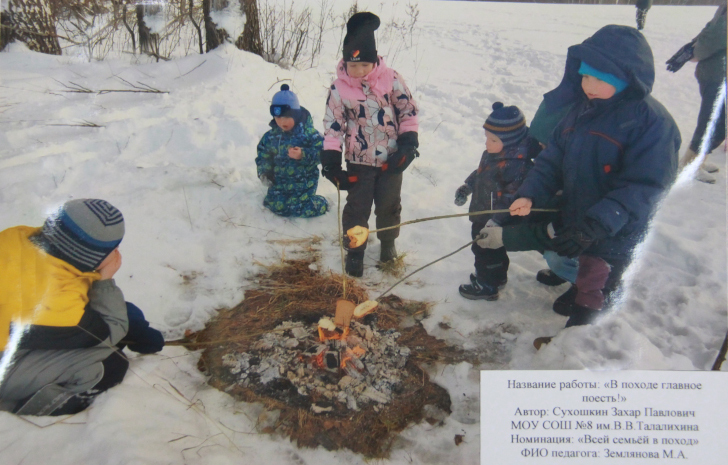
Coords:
145,34
213,36
250,40
30,22
196,24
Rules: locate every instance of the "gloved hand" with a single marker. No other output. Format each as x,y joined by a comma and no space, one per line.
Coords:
398,161
492,237
331,170
575,239
491,223
461,195
340,177
267,179
682,56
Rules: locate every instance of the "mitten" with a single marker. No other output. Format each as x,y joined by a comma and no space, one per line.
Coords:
267,179
491,238
398,161
461,195
575,239
682,56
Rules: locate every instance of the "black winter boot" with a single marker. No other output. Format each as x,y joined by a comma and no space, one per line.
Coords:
478,291
549,278
582,316
355,263
564,304
388,252
500,284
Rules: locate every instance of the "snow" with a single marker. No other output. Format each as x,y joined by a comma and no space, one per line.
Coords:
180,167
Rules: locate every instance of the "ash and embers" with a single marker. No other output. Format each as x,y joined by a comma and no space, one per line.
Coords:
363,367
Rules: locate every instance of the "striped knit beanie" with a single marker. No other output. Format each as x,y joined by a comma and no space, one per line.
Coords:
508,123
83,232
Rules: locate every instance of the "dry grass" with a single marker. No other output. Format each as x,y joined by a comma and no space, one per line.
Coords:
394,267
291,290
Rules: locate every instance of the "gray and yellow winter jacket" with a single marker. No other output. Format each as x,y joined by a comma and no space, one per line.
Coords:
61,324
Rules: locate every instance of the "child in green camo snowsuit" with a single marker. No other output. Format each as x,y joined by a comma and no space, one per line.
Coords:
288,158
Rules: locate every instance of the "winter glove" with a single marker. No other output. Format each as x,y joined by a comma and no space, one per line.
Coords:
491,223
406,152
492,237
331,170
461,195
682,56
340,178
267,179
574,240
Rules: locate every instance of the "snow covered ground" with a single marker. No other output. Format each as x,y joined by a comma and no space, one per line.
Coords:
180,166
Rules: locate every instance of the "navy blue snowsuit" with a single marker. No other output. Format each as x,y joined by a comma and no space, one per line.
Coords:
293,192
614,159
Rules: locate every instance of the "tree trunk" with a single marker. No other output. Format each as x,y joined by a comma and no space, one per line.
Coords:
250,40
128,28
197,26
145,36
213,36
30,22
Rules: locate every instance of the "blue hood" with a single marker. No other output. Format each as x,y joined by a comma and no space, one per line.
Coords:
619,50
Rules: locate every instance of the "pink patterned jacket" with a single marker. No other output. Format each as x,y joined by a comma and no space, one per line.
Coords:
368,114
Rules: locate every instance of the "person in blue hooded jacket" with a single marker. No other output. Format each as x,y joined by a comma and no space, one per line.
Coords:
614,155
288,158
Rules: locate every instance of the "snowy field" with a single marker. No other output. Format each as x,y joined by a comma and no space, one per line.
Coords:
180,166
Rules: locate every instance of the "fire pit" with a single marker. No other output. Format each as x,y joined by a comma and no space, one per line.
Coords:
347,368
348,380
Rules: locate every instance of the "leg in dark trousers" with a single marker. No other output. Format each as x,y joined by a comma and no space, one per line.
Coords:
359,200
388,204
373,187
709,93
597,283
491,265
115,367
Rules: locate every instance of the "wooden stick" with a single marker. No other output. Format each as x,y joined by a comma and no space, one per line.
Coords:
341,241
484,212
431,263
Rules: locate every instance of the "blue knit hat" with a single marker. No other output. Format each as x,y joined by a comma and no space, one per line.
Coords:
285,103
83,232
508,123
611,79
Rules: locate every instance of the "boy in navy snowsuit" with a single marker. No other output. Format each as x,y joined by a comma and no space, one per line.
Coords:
288,158
614,155
502,169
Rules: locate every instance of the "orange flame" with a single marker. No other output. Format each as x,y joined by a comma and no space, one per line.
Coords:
318,361
326,335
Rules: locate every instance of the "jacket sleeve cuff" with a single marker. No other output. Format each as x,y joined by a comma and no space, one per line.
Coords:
332,143
410,124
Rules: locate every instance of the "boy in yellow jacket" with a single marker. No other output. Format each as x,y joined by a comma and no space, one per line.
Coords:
62,317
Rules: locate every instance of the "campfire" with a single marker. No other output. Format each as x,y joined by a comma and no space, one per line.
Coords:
340,350
334,382
341,363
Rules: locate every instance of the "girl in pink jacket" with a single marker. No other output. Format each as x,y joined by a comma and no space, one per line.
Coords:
371,111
